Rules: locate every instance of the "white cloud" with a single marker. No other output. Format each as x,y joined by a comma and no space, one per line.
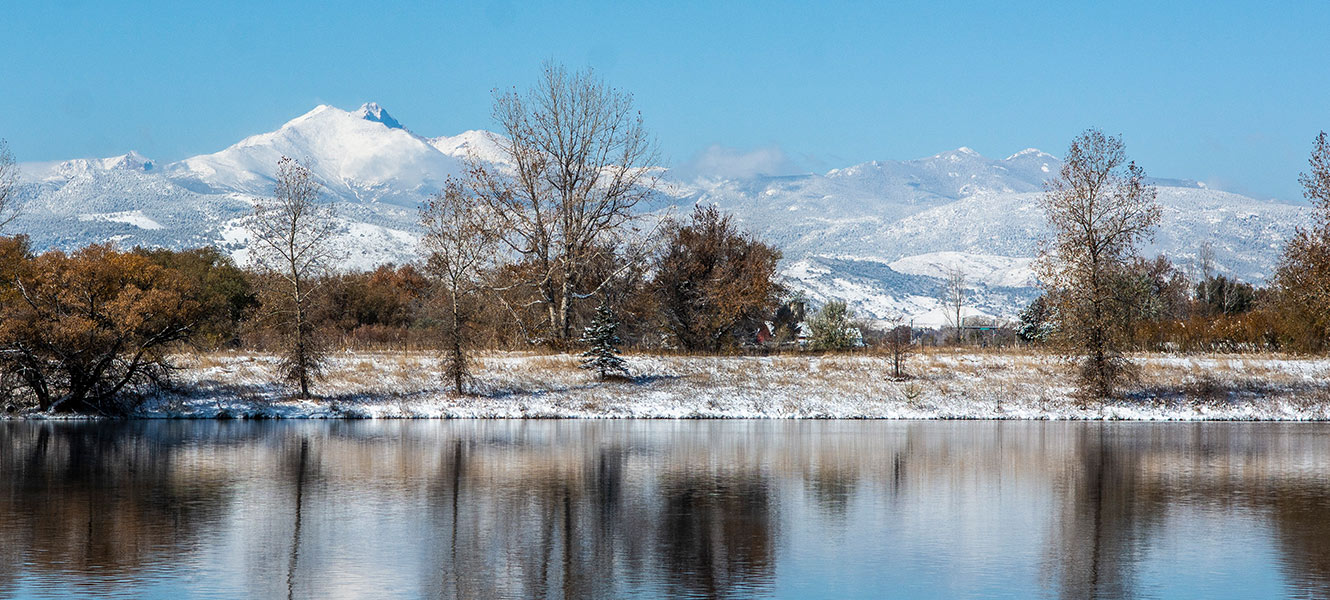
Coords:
724,161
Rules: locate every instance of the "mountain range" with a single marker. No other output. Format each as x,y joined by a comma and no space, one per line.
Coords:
878,235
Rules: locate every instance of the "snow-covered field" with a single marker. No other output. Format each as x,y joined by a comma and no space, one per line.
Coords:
945,385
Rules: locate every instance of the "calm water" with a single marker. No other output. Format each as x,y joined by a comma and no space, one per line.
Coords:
661,509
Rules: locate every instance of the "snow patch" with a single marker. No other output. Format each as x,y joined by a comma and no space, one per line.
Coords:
978,269
129,217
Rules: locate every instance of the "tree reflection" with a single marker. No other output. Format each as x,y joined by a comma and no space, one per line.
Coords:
717,533
102,498
549,523
519,510
1302,515
1104,514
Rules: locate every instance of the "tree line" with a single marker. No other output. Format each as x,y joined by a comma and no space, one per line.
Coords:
1102,299
545,247
515,254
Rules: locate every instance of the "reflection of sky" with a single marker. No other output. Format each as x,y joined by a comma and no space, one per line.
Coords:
939,543
659,509
1225,551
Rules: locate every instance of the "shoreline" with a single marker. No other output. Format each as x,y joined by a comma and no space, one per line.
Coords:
947,384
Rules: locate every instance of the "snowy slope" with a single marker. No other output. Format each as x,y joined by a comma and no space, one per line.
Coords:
962,210
986,269
476,143
879,234
363,155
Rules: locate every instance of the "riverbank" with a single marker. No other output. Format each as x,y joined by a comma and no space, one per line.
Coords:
945,385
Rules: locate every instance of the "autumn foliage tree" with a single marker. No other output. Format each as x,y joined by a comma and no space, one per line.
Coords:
224,293
1099,208
80,332
1303,276
713,280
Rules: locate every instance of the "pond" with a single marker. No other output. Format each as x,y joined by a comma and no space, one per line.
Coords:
664,509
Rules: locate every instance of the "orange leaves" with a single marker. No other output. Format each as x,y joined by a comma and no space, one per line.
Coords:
80,328
713,279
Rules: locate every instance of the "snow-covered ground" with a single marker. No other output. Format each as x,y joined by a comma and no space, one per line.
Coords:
945,385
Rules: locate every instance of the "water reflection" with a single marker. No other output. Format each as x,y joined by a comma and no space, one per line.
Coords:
664,509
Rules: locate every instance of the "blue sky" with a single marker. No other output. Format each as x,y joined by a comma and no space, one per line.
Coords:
1227,92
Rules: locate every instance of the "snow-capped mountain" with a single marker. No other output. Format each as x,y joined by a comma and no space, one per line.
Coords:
882,234
878,234
363,155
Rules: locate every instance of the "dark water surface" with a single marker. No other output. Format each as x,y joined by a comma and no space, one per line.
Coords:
664,509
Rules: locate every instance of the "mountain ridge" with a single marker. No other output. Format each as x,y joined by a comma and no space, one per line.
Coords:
841,231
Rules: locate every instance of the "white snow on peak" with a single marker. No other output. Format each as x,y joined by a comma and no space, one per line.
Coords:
312,114
477,143
1032,152
128,217
67,169
354,157
876,234
132,161
371,111
962,153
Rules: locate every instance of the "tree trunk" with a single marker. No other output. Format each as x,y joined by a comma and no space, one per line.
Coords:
458,367
301,354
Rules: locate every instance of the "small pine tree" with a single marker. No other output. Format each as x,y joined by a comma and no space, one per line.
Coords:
832,328
1037,322
603,354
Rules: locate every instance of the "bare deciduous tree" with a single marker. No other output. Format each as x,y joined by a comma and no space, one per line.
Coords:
578,160
292,234
460,240
1099,207
1205,270
9,203
899,343
953,298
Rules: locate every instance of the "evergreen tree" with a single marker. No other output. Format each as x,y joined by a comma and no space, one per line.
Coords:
832,328
1037,322
603,354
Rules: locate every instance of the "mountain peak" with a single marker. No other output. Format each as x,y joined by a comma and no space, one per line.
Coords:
132,161
371,111
1034,152
965,153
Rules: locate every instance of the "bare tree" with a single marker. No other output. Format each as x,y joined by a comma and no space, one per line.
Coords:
460,239
899,343
578,161
1205,270
953,298
9,202
1099,208
292,234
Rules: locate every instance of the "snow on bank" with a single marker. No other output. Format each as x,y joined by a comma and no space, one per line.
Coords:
945,386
